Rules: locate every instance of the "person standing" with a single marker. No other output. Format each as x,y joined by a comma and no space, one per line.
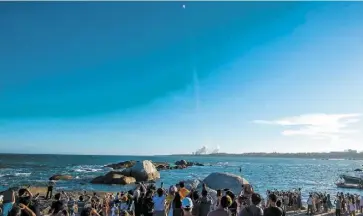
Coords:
8,201
338,206
273,210
50,190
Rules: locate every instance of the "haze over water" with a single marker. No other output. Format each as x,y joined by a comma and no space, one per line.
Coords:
262,173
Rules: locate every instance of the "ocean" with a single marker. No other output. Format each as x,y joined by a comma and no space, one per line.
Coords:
262,172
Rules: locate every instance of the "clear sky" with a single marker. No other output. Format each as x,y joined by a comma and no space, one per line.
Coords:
157,78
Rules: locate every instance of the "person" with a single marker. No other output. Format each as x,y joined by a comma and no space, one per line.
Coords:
352,206
148,204
21,210
310,205
50,190
89,212
187,206
196,202
70,206
338,203
279,205
253,210
177,205
272,210
8,201
80,205
222,209
159,203
205,204
26,197
361,204
113,210
183,191
57,205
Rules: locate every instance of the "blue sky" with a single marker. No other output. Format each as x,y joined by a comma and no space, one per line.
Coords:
157,78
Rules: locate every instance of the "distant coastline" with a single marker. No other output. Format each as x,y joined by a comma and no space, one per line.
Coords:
346,155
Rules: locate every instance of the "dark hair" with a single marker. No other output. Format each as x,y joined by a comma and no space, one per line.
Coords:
204,193
177,201
255,198
57,196
195,195
94,194
273,197
80,198
278,203
160,192
86,212
230,194
181,184
15,211
226,201
65,212
21,191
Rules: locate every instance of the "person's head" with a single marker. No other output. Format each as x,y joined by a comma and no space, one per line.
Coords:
57,196
272,199
172,190
278,203
187,204
230,194
256,199
160,192
94,194
181,184
86,212
22,192
15,211
149,193
177,186
62,213
80,198
204,193
226,201
195,195
219,193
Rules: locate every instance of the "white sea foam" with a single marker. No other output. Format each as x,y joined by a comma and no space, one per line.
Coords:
22,174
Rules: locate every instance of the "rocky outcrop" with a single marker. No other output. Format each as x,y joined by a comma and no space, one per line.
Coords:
181,163
122,165
225,180
60,177
113,178
184,163
142,171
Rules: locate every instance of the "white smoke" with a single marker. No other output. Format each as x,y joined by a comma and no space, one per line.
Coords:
215,151
205,150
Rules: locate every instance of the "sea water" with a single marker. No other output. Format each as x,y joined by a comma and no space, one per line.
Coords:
262,172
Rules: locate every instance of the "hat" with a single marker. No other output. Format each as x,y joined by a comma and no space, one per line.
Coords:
187,203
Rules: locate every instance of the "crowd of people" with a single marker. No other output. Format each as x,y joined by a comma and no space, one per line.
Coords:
348,203
178,201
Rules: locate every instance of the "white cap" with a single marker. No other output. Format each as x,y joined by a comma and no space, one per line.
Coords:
187,203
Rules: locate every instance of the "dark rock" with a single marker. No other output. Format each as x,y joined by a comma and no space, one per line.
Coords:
60,177
122,165
181,162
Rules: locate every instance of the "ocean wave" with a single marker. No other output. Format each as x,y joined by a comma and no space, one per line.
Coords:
87,170
22,174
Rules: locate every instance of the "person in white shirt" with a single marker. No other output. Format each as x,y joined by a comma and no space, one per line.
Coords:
310,205
159,203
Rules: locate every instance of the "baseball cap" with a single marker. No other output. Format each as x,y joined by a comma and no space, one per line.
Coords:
187,203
